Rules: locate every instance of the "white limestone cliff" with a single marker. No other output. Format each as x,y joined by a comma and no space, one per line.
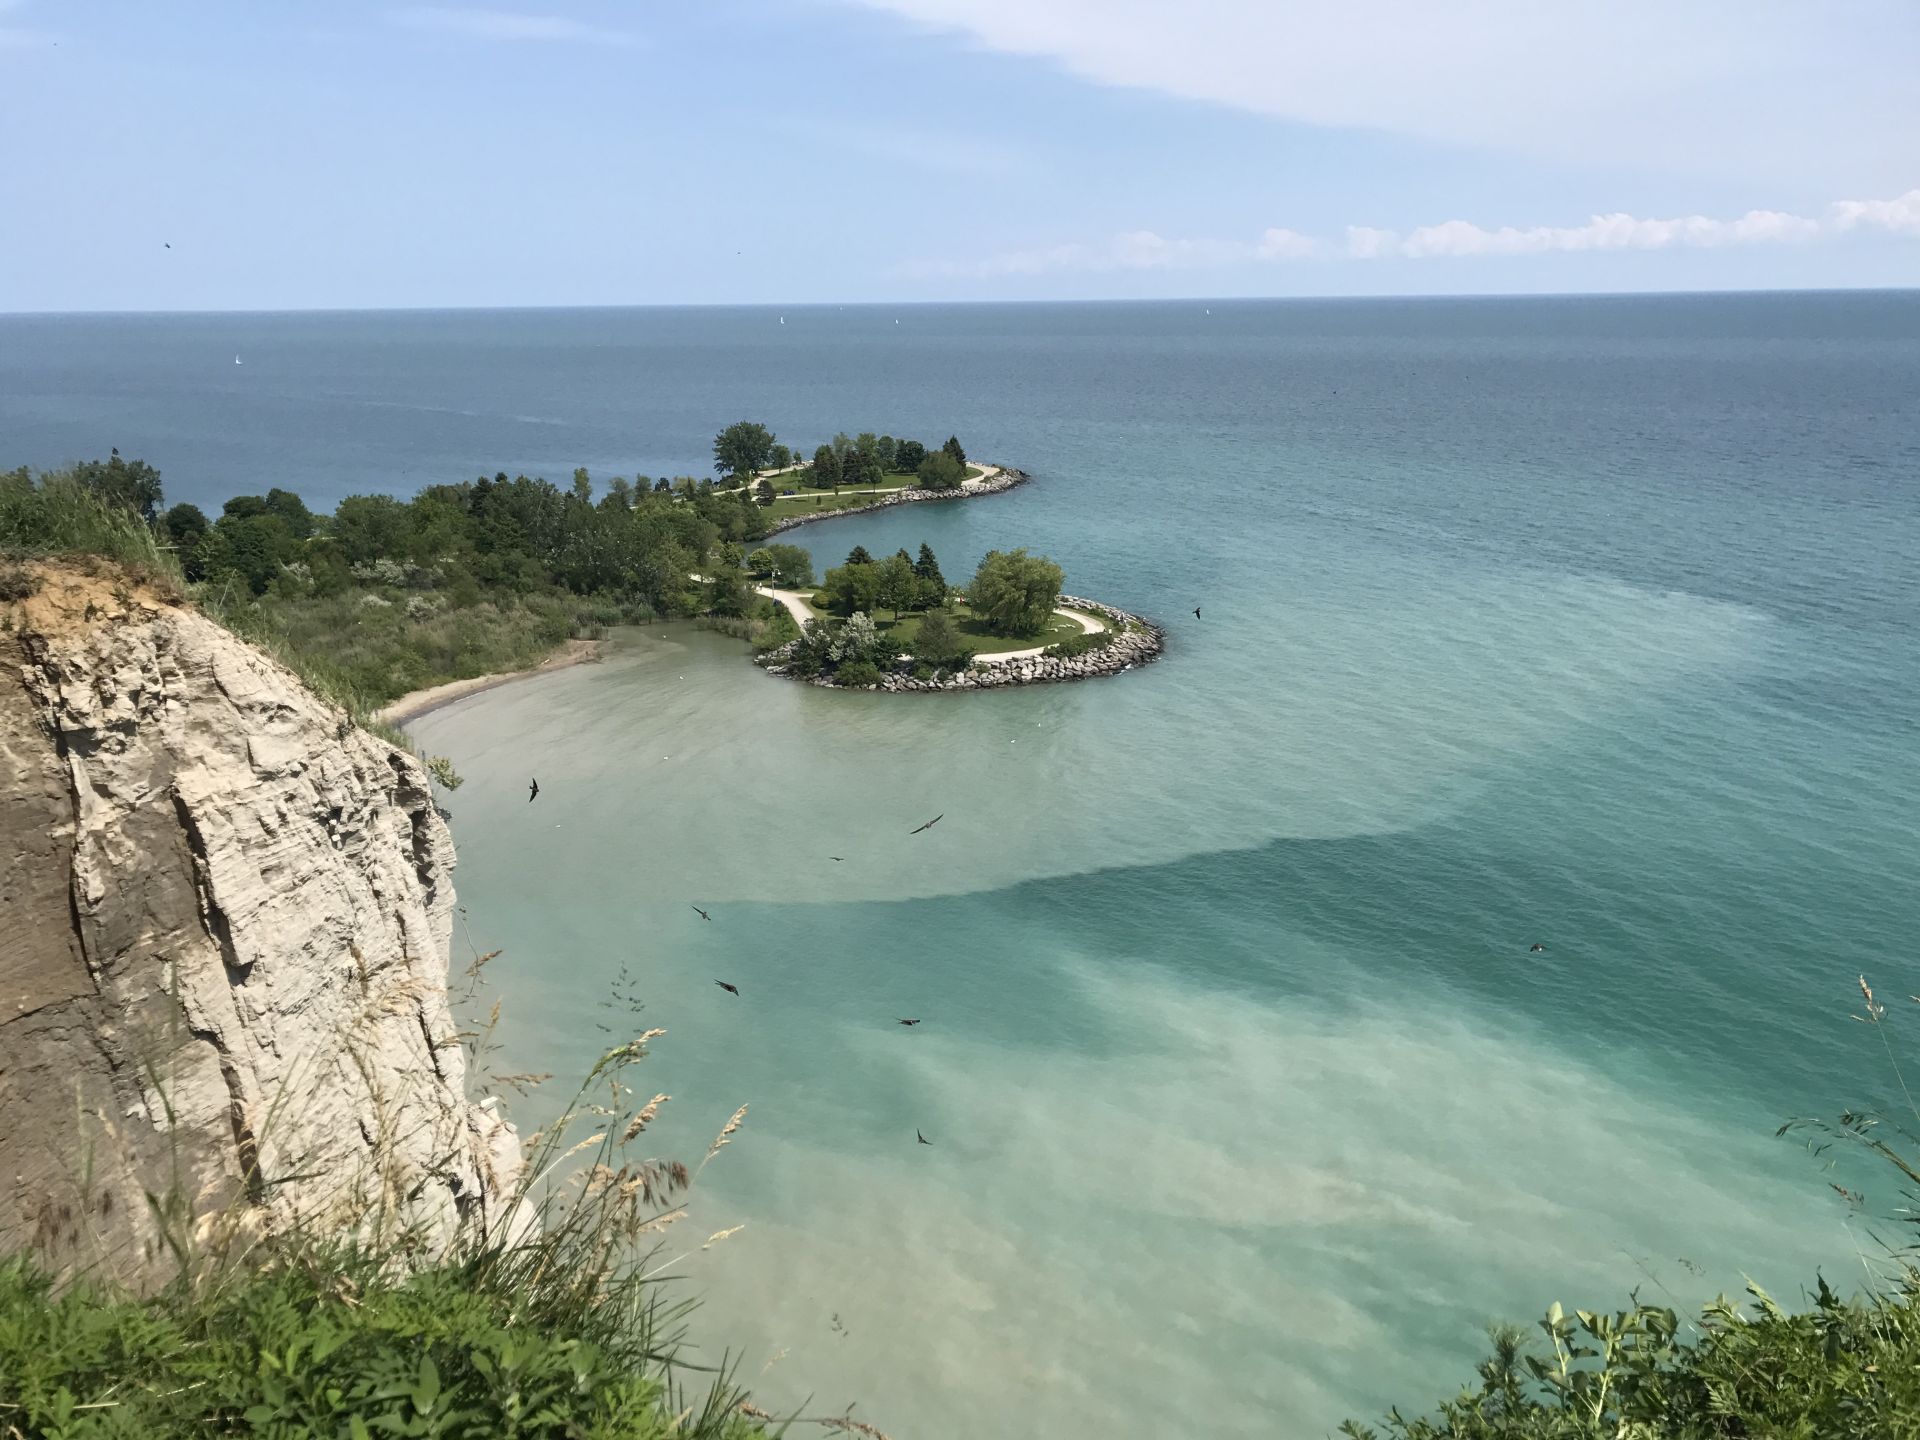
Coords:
225,916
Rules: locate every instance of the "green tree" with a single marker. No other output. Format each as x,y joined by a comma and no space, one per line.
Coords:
952,447
842,445
859,556
897,589
788,564
292,509
860,467
1015,592
128,484
186,525
939,643
850,588
370,527
780,457
763,492
940,471
927,567
742,448
826,469
889,451
907,456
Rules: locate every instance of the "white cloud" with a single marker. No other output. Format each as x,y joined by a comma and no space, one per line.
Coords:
1278,244
1900,214
505,25
1602,232
1770,88
1451,239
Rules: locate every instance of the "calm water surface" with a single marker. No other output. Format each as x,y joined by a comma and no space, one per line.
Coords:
1591,622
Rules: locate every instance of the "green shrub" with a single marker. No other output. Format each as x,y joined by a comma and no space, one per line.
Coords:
1082,644
857,673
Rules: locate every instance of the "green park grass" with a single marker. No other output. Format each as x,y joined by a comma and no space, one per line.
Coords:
983,640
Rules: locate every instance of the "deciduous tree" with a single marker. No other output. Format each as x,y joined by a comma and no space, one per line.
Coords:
1015,592
742,448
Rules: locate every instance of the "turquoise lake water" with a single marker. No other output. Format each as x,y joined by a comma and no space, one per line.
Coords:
1588,621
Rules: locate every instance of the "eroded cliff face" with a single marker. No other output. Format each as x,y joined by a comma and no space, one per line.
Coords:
224,925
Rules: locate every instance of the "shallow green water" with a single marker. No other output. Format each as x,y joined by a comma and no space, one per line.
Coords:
1590,622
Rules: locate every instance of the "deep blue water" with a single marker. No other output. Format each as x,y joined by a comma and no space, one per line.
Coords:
1591,621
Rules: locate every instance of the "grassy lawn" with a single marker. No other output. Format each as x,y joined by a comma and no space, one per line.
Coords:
821,502
904,630
825,502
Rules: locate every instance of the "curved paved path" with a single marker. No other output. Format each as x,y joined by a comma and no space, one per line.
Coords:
797,607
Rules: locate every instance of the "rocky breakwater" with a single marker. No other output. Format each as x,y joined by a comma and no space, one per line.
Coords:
224,927
1005,479
1134,642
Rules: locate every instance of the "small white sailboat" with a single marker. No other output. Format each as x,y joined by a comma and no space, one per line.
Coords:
783,319
236,359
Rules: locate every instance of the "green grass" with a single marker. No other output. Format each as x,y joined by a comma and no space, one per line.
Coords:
822,502
974,630
362,653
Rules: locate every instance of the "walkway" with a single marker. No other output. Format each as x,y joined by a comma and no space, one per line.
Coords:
797,607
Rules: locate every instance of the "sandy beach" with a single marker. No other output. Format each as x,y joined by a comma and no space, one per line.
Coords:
416,703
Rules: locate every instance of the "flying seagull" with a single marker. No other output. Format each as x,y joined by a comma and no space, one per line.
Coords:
929,825
836,857
909,1022
730,989
702,914
1535,948
921,1138
1196,612
533,791
167,243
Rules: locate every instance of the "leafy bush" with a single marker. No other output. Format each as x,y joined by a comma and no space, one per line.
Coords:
858,673
1083,644
1846,1368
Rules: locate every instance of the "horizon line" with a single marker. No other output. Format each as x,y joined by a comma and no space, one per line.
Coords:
1198,299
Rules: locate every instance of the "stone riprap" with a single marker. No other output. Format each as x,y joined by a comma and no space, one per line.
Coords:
1004,481
1135,642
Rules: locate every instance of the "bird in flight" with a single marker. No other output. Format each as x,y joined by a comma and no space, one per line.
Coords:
533,792
836,857
730,989
702,914
921,1138
1196,612
167,243
1535,948
929,825
909,1022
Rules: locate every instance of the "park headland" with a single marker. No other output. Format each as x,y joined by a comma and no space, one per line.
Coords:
392,607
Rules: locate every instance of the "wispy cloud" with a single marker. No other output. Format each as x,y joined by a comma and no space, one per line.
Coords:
1462,238
506,25
1451,239
1900,215
1717,87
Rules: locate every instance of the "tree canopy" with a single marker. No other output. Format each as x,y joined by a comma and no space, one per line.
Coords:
742,448
940,471
1015,592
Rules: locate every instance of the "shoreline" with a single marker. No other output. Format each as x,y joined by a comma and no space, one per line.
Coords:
416,703
1005,478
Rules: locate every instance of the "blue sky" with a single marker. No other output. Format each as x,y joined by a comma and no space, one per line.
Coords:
598,152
